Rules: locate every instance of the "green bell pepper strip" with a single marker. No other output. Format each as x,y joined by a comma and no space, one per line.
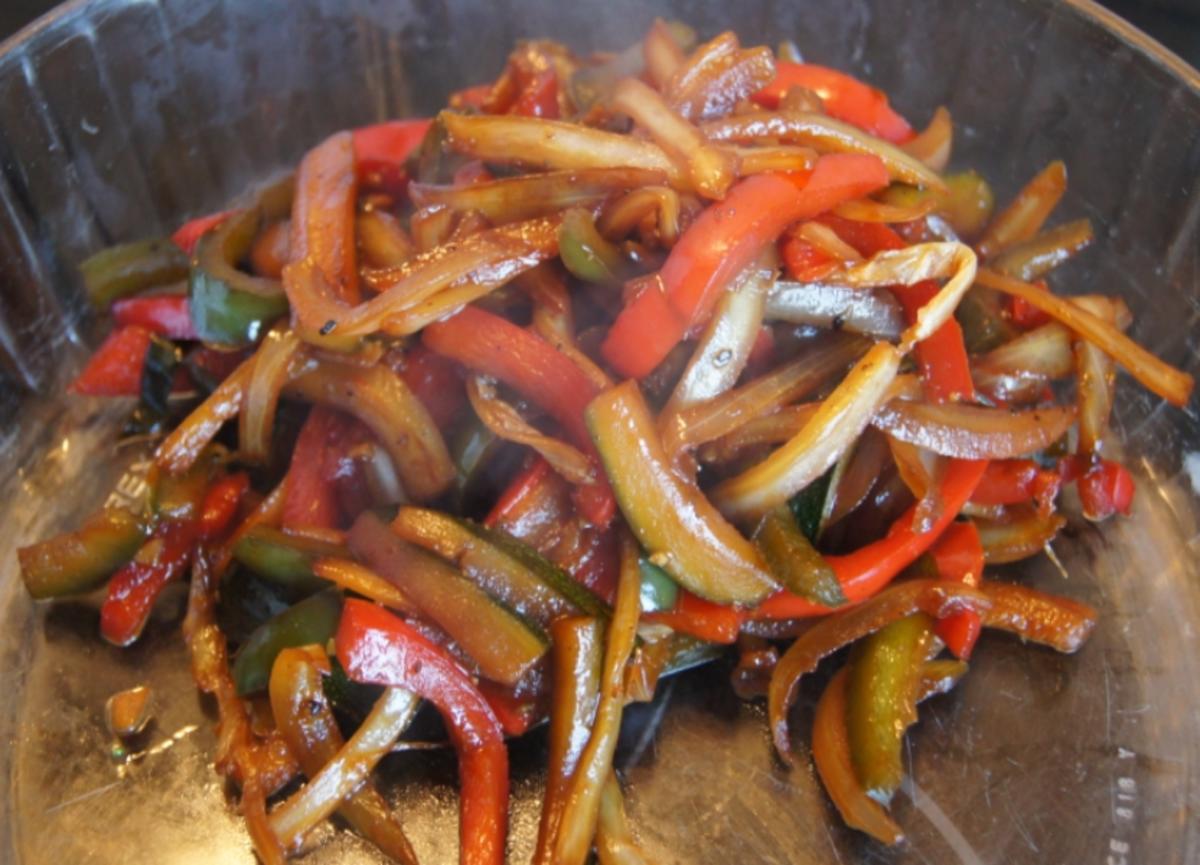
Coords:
672,519
808,505
180,497
881,701
936,598
504,645
285,559
79,561
313,620
1034,258
966,204
228,305
833,759
659,591
586,253
834,762
980,314
120,271
794,560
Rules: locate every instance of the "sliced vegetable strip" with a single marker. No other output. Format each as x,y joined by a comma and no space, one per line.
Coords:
378,397
347,770
842,96
165,314
720,244
826,435
323,220
504,645
134,588
577,825
79,561
1060,623
534,368
865,571
375,646
932,597
832,758
306,721
1173,385
881,700
671,517
552,144
515,198
973,432
116,367
958,555
578,659
825,135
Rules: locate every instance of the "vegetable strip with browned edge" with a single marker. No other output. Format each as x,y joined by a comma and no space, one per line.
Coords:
303,714
581,809
935,598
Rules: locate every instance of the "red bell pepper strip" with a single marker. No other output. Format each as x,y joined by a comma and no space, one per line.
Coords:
805,262
213,365
845,98
539,98
865,571
1010,482
133,589
867,238
1105,489
722,241
190,232
538,371
958,555
697,617
310,499
220,505
522,489
1024,314
471,97
380,152
165,314
942,356
116,367
376,647
946,374
515,714
436,383
533,510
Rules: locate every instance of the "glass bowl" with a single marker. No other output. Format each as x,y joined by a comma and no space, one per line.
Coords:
118,118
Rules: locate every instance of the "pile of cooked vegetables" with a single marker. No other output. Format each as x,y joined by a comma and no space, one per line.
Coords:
615,365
